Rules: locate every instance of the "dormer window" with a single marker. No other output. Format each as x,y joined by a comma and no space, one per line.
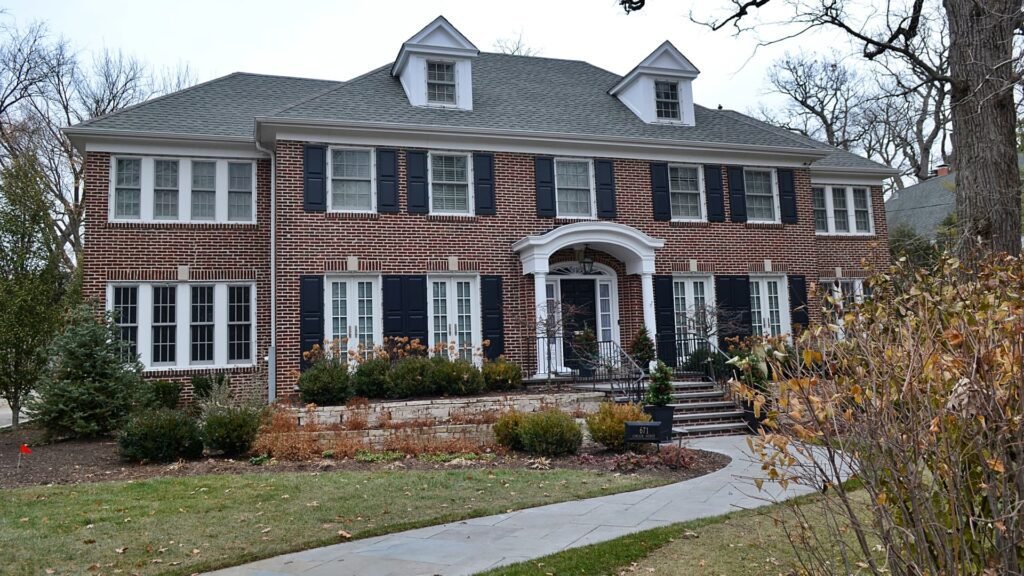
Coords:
666,100
441,83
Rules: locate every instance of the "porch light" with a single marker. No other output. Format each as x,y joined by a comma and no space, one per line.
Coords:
586,259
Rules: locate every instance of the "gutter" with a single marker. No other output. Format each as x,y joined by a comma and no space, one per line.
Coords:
272,350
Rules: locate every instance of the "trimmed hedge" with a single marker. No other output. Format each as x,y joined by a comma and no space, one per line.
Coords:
550,433
232,429
501,375
160,436
325,383
608,425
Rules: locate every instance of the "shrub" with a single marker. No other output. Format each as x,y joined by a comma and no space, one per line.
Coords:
454,377
370,380
550,433
410,378
202,385
641,348
281,437
501,375
155,394
699,358
231,429
89,386
659,391
506,430
160,436
608,425
325,383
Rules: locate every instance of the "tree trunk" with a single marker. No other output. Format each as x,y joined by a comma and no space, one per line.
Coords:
15,414
987,178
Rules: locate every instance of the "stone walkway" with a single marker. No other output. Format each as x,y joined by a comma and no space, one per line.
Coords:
5,414
476,545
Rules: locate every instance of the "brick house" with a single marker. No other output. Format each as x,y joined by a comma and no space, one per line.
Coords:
456,197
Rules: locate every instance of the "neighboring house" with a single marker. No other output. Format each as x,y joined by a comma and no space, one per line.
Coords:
455,196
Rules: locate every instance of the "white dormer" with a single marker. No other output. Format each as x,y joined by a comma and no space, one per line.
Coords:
435,67
660,89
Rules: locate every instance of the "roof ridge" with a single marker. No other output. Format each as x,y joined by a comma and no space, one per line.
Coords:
328,90
286,77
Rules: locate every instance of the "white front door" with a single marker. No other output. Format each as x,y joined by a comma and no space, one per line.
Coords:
353,304
454,316
769,305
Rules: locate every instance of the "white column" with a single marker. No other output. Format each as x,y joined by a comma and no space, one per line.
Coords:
540,300
647,291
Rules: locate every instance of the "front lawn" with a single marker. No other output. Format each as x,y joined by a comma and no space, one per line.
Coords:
191,524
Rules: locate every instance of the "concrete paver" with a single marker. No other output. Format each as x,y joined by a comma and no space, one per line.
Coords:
471,546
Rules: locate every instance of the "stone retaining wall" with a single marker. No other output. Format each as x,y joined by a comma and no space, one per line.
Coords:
479,434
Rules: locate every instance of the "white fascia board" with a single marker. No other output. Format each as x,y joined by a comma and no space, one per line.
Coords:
158,146
867,176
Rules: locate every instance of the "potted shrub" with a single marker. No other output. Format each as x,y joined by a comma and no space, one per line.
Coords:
659,395
585,345
642,349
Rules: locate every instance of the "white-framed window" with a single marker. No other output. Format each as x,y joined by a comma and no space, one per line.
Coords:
127,197
454,307
354,321
204,190
769,305
692,302
842,209
165,189
450,177
240,191
441,83
666,100
686,192
574,188
178,326
351,184
762,193
846,292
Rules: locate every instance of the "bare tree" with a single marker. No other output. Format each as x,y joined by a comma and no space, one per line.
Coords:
515,46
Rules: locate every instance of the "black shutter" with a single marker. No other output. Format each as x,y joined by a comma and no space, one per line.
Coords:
483,184
659,191
733,293
416,181
737,194
544,177
393,323
492,321
787,196
311,315
387,180
604,174
798,302
314,183
404,303
713,193
665,319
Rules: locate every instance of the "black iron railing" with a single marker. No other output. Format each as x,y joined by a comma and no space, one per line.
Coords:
692,352
600,364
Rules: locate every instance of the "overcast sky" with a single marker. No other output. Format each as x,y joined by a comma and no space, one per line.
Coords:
341,39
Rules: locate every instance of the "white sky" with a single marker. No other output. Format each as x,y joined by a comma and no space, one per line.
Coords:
348,37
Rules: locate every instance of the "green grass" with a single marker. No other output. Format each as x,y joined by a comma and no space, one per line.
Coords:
185,525
747,543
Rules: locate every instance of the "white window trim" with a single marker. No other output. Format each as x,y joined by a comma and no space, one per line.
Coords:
702,202
426,82
227,191
378,304
470,192
785,321
183,322
709,296
330,180
774,177
679,101
851,215
476,320
191,162
593,188
147,197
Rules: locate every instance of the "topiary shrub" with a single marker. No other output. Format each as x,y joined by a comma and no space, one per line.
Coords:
506,430
410,378
607,426
370,380
325,383
160,436
455,377
502,375
641,348
90,383
155,394
232,429
659,391
550,433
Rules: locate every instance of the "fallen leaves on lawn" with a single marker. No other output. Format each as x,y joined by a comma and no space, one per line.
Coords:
344,534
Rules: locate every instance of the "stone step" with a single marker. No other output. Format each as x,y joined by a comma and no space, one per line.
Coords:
708,406
718,415
708,429
682,397
695,385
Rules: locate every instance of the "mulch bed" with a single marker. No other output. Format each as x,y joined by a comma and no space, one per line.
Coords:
83,461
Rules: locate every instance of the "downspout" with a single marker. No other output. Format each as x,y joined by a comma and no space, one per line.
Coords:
272,350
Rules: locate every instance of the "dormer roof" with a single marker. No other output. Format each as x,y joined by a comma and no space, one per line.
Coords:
437,38
665,61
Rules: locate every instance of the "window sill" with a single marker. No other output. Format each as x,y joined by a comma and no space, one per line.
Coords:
765,225
689,223
452,218
352,215
846,235
198,370
194,224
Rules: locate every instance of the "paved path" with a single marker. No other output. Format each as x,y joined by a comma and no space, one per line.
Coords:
5,414
472,546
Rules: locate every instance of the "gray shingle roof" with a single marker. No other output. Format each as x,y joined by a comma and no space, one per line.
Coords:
922,206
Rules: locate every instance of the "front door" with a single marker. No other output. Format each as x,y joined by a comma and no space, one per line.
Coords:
579,310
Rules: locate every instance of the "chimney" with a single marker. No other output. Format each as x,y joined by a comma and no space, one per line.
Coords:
942,169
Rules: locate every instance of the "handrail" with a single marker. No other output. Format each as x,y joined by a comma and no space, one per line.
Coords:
602,361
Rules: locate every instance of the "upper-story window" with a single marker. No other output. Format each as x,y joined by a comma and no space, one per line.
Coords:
128,188
449,183
240,191
204,190
666,100
351,180
842,209
574,188
165,189
685,192
441,83
762,195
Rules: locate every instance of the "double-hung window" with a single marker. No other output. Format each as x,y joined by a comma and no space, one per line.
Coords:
351,180
574,188
128,188
762,195
125,307
201,325
684,186
441,83
204,190
769,305
165,189
352,324
666,100
449,183
164,325
240,191
842,209
453,318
